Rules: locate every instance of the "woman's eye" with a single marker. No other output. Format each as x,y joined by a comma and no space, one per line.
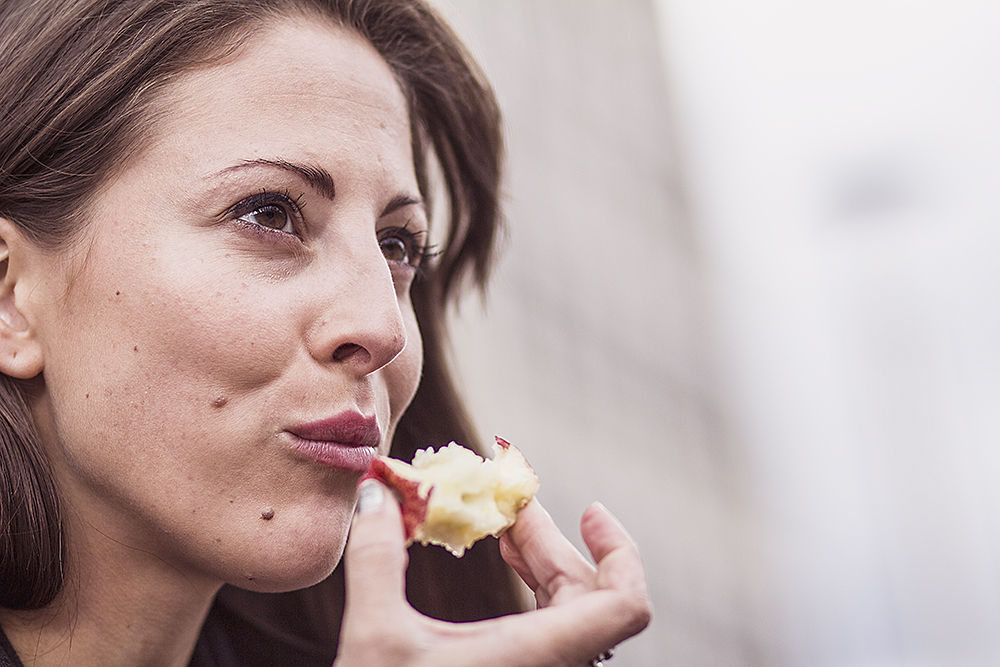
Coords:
395,250
269,212
402,246
270,217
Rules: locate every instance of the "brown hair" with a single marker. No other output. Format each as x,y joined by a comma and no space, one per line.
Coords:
78,84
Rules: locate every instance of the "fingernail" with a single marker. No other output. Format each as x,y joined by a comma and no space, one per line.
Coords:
598,505
371,497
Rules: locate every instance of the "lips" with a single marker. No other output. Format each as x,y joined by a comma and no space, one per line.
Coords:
347,441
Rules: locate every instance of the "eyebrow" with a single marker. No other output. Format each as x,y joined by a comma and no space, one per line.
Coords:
317,177
399,202
321,180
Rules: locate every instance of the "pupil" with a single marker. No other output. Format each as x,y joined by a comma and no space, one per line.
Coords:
273,218
394,250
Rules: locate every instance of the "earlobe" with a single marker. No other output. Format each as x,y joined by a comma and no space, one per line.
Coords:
20,354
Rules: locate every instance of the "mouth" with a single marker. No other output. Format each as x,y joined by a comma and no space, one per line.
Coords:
347,441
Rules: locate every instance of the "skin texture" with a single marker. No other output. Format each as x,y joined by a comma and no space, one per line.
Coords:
583,609
179,339
178,342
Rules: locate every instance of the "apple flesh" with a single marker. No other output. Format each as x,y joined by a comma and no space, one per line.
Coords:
452,497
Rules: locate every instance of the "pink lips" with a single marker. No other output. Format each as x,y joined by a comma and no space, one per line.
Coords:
347,441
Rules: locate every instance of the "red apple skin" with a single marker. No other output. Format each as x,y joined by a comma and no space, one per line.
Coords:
412,505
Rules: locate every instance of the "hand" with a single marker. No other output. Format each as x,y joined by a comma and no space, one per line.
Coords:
583,610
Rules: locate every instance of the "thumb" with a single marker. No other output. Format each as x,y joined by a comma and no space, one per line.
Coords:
375,558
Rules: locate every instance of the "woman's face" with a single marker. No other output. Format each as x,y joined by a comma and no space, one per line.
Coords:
234,336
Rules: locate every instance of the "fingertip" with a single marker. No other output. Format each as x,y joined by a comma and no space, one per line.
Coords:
377,517
371,497
598,515
602,532
598,511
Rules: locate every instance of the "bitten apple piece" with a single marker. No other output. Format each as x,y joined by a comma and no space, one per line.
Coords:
453,497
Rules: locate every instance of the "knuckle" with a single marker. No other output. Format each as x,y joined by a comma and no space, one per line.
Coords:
636,612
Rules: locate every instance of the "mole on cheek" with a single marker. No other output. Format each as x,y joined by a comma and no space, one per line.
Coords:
267,514
219,401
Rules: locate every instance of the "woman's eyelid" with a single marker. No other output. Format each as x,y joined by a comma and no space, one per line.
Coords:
263,199
410,229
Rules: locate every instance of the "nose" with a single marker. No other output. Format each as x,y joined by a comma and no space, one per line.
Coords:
361,326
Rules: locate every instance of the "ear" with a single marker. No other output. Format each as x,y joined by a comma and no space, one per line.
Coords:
20,352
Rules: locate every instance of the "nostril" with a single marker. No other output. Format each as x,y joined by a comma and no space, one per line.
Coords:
346,351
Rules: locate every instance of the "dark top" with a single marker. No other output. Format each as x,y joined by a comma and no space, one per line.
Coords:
8,658
299,628
302,628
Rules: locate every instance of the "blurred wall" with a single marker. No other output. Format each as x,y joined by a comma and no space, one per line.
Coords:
592,353
843,160
751,301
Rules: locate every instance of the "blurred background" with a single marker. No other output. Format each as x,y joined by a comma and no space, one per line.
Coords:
750,300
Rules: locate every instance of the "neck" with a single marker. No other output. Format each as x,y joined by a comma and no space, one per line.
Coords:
119,607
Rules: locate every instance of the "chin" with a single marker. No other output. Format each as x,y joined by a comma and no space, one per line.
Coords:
289,572
296,555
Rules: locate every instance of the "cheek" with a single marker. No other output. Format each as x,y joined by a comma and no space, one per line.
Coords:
192,341
139,366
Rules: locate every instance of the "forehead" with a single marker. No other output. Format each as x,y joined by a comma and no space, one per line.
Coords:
293,85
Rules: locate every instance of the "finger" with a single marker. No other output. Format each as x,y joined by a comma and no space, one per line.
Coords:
375,558
612,608
512,555
619,563
565,634
547,558
613,549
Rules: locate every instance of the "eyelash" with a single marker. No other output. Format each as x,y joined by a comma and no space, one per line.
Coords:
292,209
417,252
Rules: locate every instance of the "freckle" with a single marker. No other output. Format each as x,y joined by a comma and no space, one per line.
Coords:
135,349
87,396
267,514
118,293
219,401
219,540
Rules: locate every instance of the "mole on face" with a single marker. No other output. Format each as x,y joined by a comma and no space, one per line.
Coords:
219,401
267,514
